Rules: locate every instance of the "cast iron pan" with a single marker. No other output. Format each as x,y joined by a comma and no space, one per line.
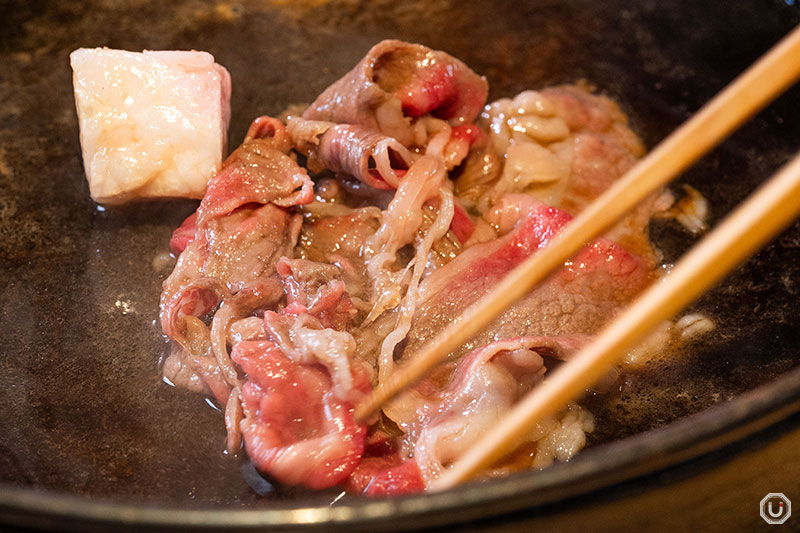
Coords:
89,435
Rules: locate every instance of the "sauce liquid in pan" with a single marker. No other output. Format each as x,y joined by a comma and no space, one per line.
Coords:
82,406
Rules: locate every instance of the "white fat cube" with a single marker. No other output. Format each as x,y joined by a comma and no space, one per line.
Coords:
152,123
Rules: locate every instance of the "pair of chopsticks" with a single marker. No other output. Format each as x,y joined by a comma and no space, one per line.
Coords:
761,217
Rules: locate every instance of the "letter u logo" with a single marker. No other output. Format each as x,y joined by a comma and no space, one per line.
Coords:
773,514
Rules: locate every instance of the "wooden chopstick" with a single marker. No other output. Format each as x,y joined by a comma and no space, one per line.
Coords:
752,90
762,216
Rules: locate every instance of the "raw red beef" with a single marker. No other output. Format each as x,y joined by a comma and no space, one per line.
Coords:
297,430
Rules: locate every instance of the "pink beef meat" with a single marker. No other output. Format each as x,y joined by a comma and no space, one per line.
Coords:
354,149
388,475
255,173
241,229
579,298
297,431
398,80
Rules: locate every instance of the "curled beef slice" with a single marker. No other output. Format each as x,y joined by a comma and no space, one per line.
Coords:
229,247
398,80
482,390
579,298
255,173
296,431
375,159
186,292
235,255
272,131
519,357
453,406
369,156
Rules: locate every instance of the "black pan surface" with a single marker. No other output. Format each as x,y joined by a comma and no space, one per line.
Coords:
87,428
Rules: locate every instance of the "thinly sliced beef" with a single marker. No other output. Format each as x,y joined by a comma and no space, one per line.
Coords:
358,151
240,230
583,111
341,236
318,290
244,247
436,393
387,475
191,363
596,164
450,409
375,159
318,293
483,389
603,148
579,298
186,292
272,131
296,430
396,81
255,173
462,224
185,233
198,373
235,254
338,240
461,401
